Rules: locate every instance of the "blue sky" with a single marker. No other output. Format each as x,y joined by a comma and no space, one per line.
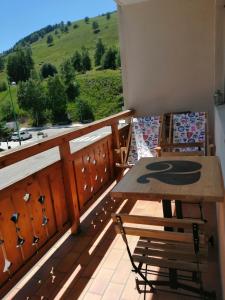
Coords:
18,18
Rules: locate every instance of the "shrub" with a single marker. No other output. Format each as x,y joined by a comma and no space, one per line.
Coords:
3,86
48,70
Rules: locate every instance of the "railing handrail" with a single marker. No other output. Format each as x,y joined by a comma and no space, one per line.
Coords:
18,154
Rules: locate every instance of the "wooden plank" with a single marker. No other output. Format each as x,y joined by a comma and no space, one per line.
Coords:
161,235
116,145
81,178
8,234
175,253
69,180
142,182
36,211
3,275
171,154
182,145
173,264
30,263
170,246
24,223
31,149
58,196
45,190
157,221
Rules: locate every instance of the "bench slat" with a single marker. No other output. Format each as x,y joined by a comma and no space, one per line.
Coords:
173,264
156,221
161,235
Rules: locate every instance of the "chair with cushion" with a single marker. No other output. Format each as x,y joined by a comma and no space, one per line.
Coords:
143,137
188,132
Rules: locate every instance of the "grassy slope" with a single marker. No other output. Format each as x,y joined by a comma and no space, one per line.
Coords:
102,90
65,45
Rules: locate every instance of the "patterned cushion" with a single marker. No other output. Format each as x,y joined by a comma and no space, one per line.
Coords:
144,138
189,128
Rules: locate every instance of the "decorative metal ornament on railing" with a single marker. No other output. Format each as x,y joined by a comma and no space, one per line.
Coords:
44,221
41,199
35,240
27,197
7,265
15,218
20,241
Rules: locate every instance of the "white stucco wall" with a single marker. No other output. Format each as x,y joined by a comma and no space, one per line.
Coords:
220,151
167,50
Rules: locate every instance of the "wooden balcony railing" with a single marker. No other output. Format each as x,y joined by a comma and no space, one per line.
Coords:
37,210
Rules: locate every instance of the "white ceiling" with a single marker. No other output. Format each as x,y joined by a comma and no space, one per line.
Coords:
128,2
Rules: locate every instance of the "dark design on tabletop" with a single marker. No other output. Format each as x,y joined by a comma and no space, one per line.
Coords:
175,172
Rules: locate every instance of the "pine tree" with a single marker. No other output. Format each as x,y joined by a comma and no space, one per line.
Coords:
2,63
57,100
49,39
48,70
86,61
99,52
32,97
77,61
86,20
68,75
109,59
67,71
95,27
20,65
118,59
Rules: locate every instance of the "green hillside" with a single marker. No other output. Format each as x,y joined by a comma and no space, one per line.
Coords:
64,46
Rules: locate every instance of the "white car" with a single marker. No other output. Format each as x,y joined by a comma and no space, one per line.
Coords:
24,135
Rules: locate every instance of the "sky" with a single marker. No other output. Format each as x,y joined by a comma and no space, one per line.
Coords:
19,18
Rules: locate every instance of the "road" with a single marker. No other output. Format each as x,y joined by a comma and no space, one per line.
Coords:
22,169
78,143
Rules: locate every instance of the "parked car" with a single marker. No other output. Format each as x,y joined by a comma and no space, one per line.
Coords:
24,135
42,134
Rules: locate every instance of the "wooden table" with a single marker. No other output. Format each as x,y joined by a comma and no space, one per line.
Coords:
195,179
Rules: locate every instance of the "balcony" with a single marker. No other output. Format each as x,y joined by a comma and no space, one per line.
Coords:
69,193
56,236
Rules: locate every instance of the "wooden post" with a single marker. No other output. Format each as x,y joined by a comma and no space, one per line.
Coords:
116,145
70,185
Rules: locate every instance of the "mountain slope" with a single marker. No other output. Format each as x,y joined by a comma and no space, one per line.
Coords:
65,44
92,83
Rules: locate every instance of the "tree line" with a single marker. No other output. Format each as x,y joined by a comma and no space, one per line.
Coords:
45,95
63,27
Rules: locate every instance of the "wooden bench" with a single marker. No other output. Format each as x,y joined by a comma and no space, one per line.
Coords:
175,251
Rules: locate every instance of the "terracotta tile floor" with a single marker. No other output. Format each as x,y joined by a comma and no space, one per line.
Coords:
94,264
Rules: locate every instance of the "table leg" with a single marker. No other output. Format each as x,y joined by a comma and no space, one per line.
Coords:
167,212
179,212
